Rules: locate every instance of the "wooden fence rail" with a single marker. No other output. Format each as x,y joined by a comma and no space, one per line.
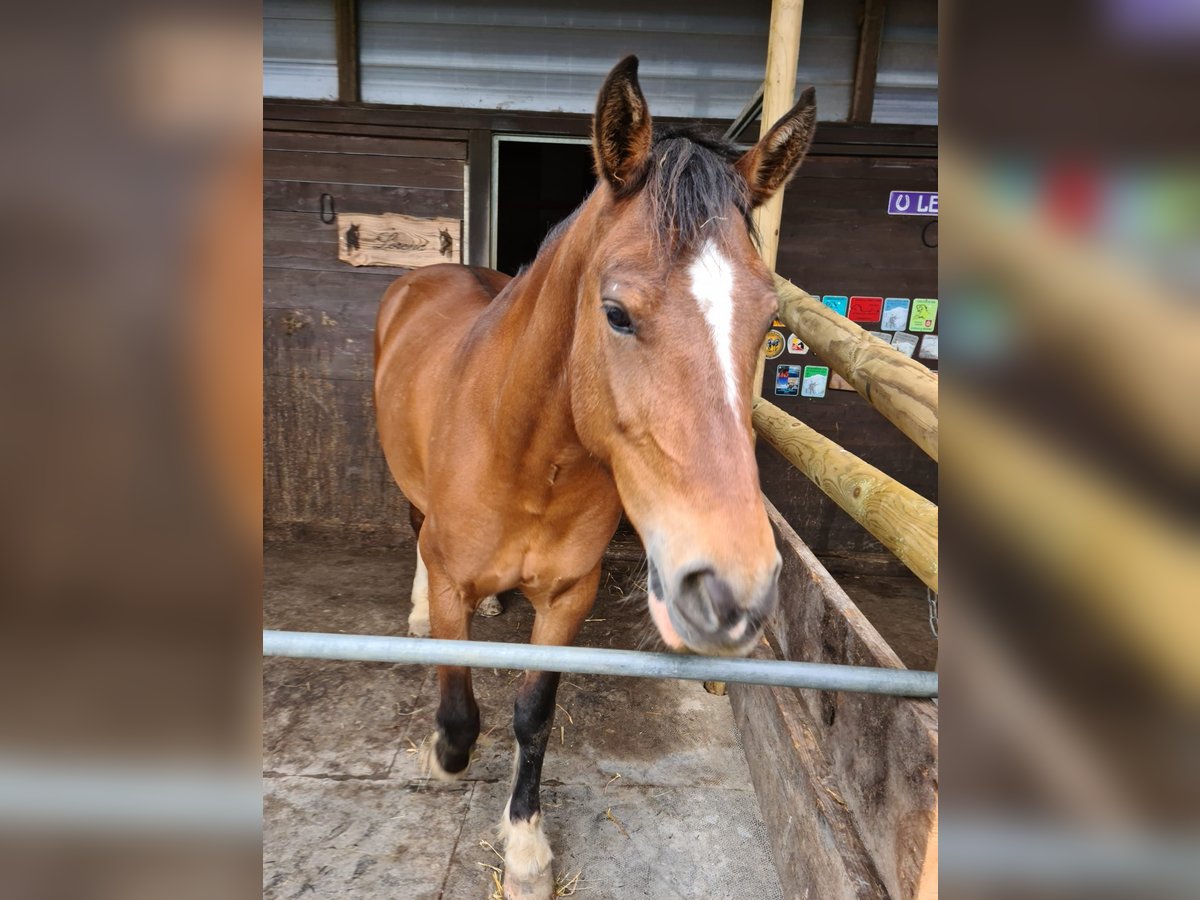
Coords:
900,518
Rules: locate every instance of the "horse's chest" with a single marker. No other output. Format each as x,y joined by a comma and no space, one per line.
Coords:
519,541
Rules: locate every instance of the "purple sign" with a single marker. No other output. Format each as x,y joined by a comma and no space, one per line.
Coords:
913,203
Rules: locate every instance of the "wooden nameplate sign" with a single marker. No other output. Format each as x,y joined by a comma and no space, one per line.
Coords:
395,240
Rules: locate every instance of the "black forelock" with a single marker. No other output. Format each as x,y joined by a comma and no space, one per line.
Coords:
691,182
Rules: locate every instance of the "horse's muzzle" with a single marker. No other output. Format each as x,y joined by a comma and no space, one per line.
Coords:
705,614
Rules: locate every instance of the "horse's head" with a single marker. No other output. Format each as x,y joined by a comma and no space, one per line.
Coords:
673,307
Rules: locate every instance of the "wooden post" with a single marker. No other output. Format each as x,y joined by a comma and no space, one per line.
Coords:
870,38
779,92
346,27
900,518
902,389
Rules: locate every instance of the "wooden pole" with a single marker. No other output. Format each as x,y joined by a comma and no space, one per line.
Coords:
900,518
870,40
346,30
779,93
902,389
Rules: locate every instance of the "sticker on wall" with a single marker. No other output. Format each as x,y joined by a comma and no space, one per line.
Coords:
838,383
924,315
865,309
913,203
895,314
838,304
816,378
795,345
773,345
904,342
787,381
929,347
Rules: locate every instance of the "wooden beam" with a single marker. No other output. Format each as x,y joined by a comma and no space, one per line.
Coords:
752,108
779,92
870,39
902,389
346,27
479,196
899,518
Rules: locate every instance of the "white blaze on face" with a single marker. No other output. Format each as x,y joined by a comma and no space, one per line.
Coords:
712,285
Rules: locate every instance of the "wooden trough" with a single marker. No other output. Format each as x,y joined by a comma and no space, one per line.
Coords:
847,783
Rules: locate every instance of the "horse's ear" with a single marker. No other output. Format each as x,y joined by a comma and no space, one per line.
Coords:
621,134
770,164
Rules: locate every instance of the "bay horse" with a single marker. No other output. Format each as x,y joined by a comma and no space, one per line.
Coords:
520,416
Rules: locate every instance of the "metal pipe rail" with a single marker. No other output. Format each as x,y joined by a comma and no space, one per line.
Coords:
596,661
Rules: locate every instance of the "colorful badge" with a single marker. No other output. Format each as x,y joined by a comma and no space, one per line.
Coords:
865,309
838,304
924,315
904,342
787,381
895,314
816,379
773,345
778,323
795,345
929,347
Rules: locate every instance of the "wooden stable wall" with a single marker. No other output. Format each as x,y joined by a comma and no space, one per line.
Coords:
324,471
836,238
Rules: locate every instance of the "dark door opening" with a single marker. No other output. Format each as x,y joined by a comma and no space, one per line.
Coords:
538,184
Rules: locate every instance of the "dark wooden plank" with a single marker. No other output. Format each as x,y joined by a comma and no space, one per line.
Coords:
315,431
310,344
305,196
817,848
479,174
870,39
318,142
292,165
364,129
831,137
883,750
345,16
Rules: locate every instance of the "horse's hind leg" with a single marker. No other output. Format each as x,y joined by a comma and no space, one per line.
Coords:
446,757
418,618
527,854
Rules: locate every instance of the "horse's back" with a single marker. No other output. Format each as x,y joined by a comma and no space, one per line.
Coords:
423,317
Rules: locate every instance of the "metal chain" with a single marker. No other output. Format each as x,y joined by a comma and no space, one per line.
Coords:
931,598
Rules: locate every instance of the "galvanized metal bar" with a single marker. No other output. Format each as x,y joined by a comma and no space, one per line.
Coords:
597,661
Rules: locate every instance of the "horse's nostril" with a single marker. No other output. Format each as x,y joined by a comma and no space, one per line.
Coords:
708,602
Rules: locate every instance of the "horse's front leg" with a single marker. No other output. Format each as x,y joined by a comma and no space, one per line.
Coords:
446,756
527,854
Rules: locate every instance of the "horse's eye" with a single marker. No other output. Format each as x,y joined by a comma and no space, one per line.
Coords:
618,319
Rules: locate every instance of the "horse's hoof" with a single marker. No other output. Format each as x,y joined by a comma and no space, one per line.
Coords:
418,627
489,606
540,887
428,765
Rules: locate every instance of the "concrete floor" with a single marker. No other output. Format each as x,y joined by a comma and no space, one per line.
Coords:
645,792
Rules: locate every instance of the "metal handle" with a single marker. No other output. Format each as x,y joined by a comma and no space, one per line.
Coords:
327,212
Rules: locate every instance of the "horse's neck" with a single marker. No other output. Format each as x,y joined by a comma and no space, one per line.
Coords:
533,404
